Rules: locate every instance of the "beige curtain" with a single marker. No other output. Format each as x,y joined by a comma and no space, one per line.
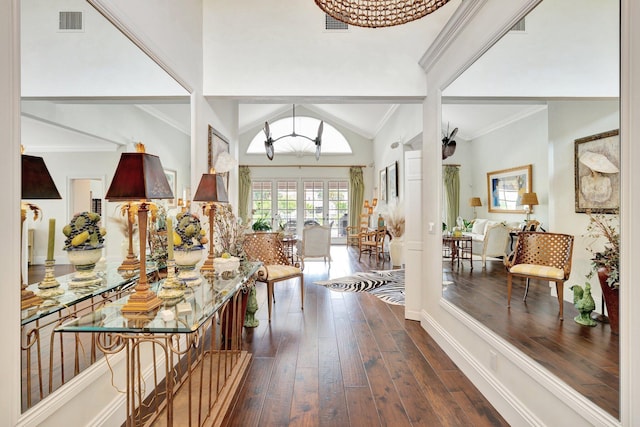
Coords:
451,179
356,192
243,193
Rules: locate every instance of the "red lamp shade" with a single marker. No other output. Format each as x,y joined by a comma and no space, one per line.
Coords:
139,176
36,180
211,189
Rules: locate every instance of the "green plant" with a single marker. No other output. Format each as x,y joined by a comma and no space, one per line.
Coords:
261,224
605,227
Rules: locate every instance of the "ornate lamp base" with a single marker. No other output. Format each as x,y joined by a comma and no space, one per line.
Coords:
142,302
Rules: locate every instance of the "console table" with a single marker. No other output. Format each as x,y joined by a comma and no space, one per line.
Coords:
194,347
48,361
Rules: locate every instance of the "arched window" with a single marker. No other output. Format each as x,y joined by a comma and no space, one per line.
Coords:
333,142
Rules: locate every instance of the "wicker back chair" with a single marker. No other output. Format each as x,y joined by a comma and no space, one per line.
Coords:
544,256
373,243
267,247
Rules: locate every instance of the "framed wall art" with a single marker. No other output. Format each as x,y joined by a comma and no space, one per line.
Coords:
506,187
392,174
172,178
597,173
383,184
217,144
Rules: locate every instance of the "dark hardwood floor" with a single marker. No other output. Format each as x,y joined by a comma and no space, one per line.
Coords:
349,359
586,358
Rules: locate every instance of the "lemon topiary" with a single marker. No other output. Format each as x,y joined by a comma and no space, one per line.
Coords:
83,232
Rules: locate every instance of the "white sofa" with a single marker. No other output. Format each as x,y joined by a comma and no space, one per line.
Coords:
490,238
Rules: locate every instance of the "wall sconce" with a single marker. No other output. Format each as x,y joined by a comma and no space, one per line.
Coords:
140,177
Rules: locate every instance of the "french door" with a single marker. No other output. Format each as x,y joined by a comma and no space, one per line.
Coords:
292,204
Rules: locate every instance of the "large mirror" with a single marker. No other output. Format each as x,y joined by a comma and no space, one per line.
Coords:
551,83
88,94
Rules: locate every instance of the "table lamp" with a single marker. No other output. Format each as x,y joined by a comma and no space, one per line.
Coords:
475,202
528,200
140,177
211,190
37,184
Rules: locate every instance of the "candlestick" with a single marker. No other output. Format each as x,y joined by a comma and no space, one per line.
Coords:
169,238
52,239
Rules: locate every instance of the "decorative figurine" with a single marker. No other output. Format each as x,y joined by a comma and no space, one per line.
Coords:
585,304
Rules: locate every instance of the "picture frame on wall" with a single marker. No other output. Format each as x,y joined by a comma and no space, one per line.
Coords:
392,176
505,189
172,177
383,184
597,173
217,144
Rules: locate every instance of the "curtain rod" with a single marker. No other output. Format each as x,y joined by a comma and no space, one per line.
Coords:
305,166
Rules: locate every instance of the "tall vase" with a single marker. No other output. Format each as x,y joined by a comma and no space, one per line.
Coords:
611,299
396,252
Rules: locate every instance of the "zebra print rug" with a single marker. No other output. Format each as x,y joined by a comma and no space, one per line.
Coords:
388,285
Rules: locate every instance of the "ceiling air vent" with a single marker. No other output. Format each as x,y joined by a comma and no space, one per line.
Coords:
519,26
331,23
70,21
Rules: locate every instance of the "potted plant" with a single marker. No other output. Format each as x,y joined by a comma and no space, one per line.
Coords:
606,260
261,224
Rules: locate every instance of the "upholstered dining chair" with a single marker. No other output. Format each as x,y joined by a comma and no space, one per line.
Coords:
542,256
315,243
267,248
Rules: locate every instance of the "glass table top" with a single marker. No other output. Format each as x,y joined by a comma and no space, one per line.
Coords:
198,304
110,280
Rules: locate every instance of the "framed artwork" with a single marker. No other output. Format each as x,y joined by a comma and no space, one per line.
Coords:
506,187
172,178
383,184
217,144
392,174
597,173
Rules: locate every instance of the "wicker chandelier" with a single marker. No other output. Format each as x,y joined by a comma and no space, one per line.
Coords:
379,13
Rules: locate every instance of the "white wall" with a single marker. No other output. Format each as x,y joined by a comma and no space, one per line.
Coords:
99,61
579,37
519,143
273,48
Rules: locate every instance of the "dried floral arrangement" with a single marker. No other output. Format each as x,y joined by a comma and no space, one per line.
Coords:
395,221
228,236
607,227
83,232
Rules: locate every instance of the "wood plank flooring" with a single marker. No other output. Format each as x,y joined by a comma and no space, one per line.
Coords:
586,358
349,359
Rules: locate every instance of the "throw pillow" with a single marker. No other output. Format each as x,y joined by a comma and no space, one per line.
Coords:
478,226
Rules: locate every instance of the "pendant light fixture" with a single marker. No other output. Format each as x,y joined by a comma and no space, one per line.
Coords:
268,143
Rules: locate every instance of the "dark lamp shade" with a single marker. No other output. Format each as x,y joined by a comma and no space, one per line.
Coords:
530,199
475,201
139,176
36,180
211,189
